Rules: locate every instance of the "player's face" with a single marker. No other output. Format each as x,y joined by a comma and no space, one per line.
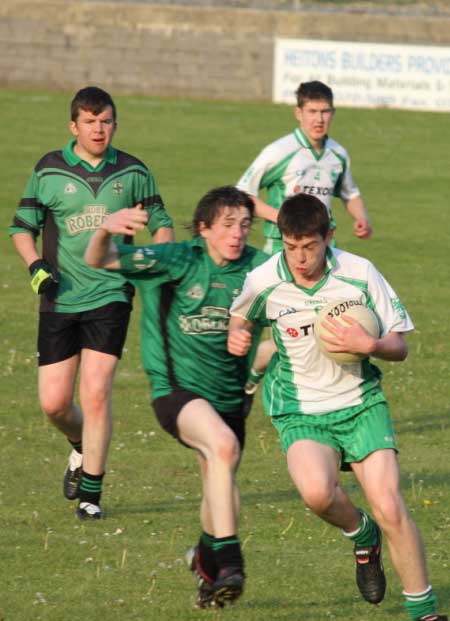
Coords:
306,257
226,237
94,133
315,117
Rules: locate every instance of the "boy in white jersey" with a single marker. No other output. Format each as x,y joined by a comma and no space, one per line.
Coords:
328,413
306,161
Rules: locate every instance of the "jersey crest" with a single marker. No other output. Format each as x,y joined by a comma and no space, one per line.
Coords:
117,187
196,292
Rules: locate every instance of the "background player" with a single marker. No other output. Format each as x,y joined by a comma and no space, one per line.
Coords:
197,386
84,313
306,161
325,412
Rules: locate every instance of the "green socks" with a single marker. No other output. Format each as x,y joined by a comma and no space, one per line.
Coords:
420,604
366,534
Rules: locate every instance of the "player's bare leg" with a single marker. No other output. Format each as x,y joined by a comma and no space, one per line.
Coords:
56,390
96,377
314,468
202,428
379,477
205,511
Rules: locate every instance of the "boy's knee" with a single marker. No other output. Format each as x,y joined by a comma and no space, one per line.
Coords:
55,409
318,499
390,511
227,449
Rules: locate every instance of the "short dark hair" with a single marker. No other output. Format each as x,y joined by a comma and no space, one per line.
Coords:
303,214
92,99
211,204
315,91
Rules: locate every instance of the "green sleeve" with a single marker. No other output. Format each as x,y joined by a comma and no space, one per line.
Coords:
148,194
30,214
159,218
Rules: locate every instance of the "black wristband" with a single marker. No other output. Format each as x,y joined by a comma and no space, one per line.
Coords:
37,265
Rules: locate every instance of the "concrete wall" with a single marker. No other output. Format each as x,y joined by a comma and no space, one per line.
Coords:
224,53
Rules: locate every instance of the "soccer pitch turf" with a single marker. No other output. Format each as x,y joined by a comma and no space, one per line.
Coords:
131,566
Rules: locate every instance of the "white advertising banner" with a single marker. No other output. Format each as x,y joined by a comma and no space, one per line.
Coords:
365,74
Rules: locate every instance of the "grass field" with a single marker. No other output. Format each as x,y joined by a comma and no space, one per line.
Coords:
130,566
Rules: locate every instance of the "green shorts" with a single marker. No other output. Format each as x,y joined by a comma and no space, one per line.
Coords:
353,433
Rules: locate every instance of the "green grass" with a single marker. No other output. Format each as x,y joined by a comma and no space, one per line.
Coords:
130,566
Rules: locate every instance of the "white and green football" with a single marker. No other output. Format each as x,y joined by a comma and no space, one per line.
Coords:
338,309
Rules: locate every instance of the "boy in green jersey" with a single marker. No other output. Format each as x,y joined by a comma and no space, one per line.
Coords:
197,386
327,413
84,313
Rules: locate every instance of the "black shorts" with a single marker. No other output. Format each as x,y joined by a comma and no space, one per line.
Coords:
62,335
167,409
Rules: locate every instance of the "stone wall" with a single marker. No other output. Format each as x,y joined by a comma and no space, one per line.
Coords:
201,52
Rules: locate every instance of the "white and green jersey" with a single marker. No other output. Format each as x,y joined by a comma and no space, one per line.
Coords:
292,166
184,329
300,378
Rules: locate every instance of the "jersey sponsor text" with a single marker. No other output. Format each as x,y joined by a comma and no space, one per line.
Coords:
211,320
90,220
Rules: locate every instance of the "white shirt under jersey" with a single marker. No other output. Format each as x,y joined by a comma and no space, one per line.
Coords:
291,165
300,378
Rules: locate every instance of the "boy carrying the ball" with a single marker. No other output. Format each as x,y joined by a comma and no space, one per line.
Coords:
330,414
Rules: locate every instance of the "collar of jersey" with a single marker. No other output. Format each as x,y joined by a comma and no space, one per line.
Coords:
200,244
303,140
285,274
73,159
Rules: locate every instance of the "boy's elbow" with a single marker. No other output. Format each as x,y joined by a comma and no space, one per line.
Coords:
92,261
404,353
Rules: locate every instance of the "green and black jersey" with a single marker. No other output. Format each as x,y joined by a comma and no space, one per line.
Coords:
184,343
67,199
